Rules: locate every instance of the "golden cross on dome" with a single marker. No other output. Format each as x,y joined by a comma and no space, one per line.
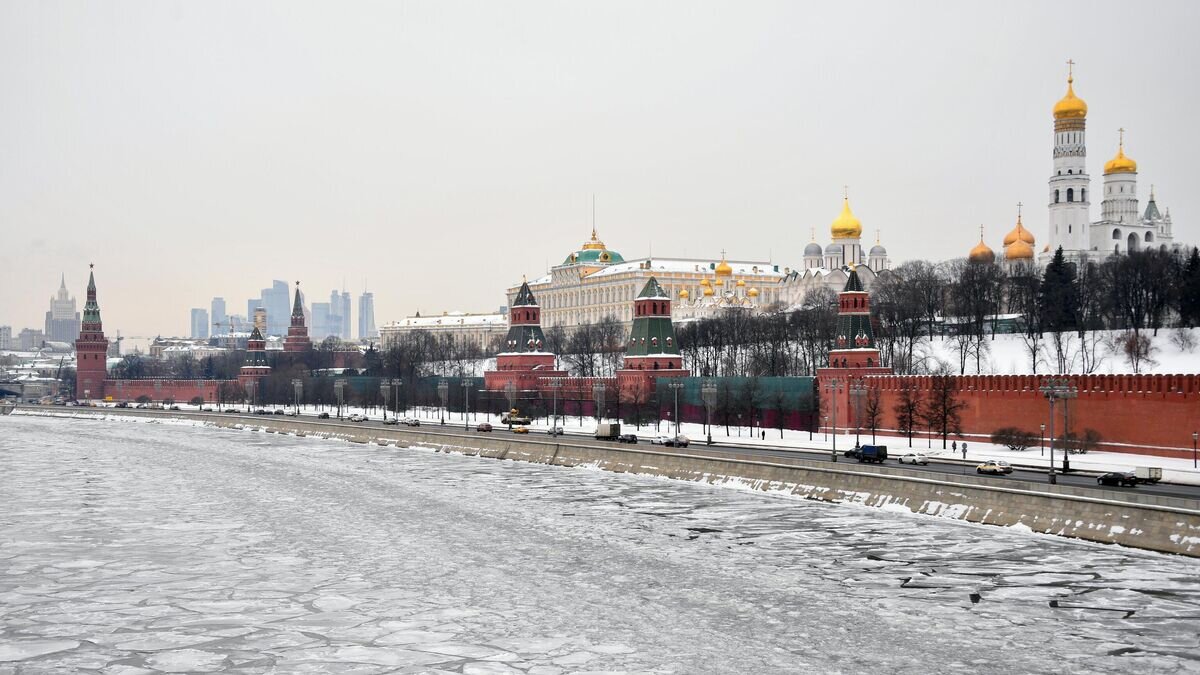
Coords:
1070,70
1122,132
1019,205
845,192
981,232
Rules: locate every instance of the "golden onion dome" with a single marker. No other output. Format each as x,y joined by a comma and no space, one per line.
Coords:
1070,106
982,253
740,283
1018,250
708,291
723,268
846,226
1019,232
753,292
683,294
719,282
704,281
1121,163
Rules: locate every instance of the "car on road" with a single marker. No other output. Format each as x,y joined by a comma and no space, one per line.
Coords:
411,422
913,458
483,426
391,420
1117,479
206,410
230,411
122,404
293,413
357,418
679,441
261,411
555,431
994,467
140,406
323,416
852,453
280,411
174,407
627,438
520,430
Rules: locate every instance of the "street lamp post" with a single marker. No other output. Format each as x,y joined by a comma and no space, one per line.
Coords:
598,397
297,389
555,384
858,388
708,392
443,389
675,386
1195,435
834,387
1042,440
466,385
510,394
1054,389
385,391
339,387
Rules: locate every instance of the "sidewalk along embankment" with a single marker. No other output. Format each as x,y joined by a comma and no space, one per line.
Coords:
1152,522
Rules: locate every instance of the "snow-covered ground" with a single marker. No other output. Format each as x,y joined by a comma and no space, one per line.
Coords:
1011,355
138,548
1175,470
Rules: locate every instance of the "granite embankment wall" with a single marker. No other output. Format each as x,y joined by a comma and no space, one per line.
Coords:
1152,522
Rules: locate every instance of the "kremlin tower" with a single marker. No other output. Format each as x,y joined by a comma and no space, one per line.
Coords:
255,366
523,360
854,354
653,351
297,338
91,349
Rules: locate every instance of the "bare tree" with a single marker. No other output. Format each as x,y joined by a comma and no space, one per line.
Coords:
908,408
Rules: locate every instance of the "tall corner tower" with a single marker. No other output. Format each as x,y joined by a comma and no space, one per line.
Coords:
91,348
1070,189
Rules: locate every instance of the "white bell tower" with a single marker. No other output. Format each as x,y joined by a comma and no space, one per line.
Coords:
1070,186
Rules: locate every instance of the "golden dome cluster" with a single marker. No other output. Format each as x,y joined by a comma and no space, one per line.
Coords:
1018,233
846,226
1018,245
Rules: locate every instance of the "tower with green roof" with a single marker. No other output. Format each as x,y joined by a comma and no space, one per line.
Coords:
652,351
853,354
524,358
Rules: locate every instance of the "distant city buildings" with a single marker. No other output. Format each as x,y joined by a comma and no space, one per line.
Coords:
366,316
30,339
199,323
220,320
62,321
5,337
339,307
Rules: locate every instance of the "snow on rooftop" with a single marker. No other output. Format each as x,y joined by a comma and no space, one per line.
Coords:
451,319
682,265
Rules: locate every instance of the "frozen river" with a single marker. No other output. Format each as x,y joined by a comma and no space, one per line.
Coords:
132,547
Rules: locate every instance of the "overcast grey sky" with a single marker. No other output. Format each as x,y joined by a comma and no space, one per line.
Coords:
439,150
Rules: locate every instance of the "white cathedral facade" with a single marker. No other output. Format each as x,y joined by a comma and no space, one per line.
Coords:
1123,226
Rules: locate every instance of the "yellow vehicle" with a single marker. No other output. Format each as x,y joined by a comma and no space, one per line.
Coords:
994,467
520,430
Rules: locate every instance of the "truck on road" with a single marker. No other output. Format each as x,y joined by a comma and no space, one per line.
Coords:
1148,474
608,431
872,453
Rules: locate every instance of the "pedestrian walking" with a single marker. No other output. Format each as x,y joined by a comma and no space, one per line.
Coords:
954,446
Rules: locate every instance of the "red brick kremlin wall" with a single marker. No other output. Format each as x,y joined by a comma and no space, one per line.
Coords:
181,391
1144,414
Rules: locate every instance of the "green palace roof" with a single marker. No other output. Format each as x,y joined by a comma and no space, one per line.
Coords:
594,251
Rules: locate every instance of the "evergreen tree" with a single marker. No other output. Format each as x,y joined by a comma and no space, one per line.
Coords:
1058,297
1189,291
